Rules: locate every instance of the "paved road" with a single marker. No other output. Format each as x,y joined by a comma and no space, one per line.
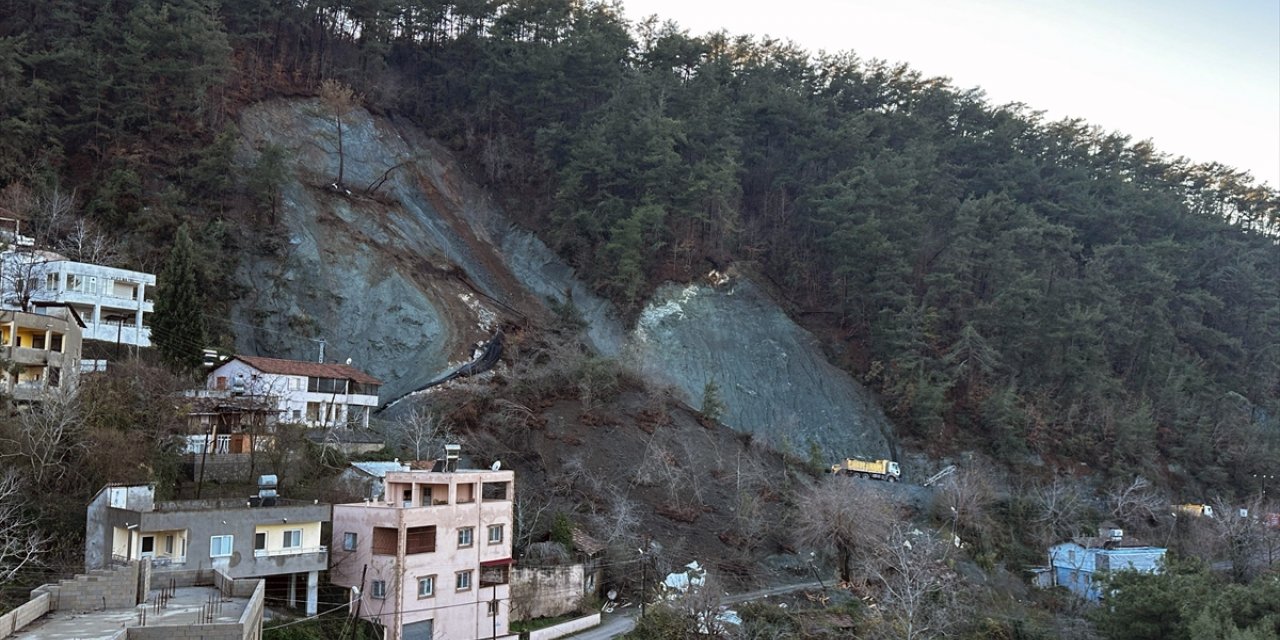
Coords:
617,624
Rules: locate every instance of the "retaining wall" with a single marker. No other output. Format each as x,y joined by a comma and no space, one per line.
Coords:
24,615
566,628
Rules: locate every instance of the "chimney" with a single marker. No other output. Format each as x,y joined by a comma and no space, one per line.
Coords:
451,454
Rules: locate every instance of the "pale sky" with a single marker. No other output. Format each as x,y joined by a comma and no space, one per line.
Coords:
1200,78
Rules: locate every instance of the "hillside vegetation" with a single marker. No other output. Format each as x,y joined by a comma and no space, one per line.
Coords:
1022,285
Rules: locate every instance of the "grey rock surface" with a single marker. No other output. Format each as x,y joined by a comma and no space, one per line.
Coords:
772,375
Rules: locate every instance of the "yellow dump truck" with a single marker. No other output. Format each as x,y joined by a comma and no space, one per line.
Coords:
1199,510
886,470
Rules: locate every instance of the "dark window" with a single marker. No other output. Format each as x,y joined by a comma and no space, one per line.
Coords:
490,576
385,540
37,341
148,544
420,540
55,343
326,385
496,491
349,541
259,541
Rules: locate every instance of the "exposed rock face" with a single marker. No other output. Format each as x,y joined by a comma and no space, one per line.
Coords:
772,376
401,280
404,279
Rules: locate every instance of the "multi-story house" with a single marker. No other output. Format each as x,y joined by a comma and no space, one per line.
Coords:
40,351
113,302
431,561
317,394
271,538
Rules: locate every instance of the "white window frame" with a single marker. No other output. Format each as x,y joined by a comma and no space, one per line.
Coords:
466,537
462,580
378,590
499,530
214,542
430,583
350,540
285,536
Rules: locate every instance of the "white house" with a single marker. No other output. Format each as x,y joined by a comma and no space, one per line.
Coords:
312,393
113,302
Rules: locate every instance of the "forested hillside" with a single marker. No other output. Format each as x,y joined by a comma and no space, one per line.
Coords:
1006,282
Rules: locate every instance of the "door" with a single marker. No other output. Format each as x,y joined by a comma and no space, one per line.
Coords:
424,630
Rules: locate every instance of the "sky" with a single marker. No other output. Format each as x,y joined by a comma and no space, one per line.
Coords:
1200,78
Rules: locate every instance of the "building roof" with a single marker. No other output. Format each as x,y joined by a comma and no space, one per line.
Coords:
380,469
309,369
585,543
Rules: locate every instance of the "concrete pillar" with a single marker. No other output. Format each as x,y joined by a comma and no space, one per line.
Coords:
313,591
293,590
97,318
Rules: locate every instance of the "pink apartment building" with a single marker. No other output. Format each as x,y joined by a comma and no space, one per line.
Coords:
432,559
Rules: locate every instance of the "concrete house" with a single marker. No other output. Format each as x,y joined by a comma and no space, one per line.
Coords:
41,351
1079,564
114,302
432,560
313,393
275,539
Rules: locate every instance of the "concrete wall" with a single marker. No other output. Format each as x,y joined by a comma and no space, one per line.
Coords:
115,588
99,521
546,592
566,628
25,615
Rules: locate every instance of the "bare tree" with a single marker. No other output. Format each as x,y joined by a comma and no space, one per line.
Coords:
422,433
85,242
837,516
21,543
965,501
1136,503
1240,535
338,100
44,440
917,589
1060,509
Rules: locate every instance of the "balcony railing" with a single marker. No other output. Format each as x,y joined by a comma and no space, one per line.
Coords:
291,551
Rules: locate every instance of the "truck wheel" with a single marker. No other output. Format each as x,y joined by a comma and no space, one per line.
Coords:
891,479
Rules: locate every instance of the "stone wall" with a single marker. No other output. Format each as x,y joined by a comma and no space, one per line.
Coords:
546,592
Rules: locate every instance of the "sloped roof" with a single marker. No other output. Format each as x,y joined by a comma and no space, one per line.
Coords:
310,369
585,543
380,469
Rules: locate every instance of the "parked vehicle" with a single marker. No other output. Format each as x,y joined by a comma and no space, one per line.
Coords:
1198,510
886,470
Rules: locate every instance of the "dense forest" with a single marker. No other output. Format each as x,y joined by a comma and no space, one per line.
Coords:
1006,282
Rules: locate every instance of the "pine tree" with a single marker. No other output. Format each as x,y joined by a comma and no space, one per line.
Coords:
178,327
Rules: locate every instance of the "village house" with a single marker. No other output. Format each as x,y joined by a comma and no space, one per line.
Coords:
113,302
41,351
316,394
263,536
1079,564
432,560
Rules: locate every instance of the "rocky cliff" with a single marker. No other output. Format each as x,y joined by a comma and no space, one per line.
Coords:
403,276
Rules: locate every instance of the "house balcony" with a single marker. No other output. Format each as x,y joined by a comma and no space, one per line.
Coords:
126,333
278,561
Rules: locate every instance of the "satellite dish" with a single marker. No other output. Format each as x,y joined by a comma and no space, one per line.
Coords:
613,594
348,362
497,464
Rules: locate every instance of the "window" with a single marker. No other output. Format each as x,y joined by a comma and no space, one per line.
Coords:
220,546
464,580
349,541
168,544
426,586
465,536
148,546
495,491
492,609
495,534
260,541
385,540
55,343
420,540
292,539
379,589
297,415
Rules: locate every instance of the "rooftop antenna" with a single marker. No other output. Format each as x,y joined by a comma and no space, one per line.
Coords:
321,342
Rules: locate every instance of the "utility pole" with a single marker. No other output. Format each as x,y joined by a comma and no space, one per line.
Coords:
495,611
644,579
